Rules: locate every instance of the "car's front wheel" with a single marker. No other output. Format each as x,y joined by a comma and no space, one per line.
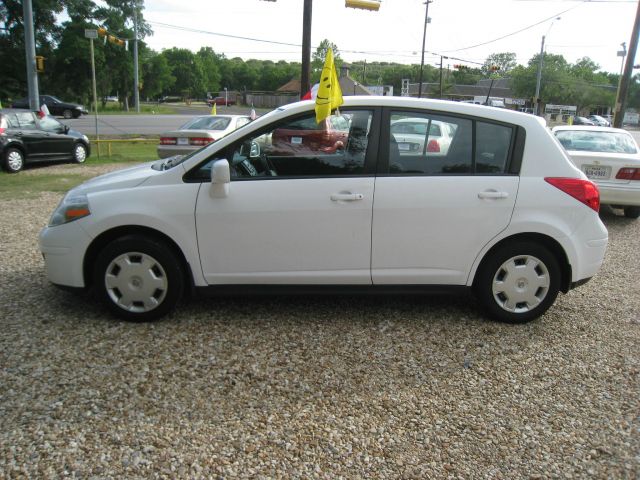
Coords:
13,160
518,282
139,278
66,113
79,153
632,212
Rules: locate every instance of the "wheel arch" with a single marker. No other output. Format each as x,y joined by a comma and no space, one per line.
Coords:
102,240
548,242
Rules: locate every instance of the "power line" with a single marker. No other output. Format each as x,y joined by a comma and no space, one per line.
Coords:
518,31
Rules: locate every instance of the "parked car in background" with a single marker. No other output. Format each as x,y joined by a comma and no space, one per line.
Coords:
233,217
55,106
220,101
610,157
198,132
582,121
306,135
26,137
599,121
410,133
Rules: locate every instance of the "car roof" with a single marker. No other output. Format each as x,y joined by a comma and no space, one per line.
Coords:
437,106
14,110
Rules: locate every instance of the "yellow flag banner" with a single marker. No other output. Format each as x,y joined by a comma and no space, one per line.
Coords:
329,94
214,111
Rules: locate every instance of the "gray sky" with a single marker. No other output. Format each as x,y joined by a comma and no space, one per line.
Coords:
592,28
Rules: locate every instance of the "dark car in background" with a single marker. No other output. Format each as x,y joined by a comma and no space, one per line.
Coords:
582,121
26,137
220,101
55,106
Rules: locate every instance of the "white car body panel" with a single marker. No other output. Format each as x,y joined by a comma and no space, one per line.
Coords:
400,229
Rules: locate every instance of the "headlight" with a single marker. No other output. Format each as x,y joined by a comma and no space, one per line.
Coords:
85,138
72,207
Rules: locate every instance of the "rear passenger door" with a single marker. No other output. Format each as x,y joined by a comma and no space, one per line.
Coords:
436,206
33,139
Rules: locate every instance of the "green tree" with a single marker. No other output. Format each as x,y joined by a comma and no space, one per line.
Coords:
157,75
187,71
506,62
210,63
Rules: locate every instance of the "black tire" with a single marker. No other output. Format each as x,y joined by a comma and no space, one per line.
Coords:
139,278
632,212
79,152
13,160
518,282
66,113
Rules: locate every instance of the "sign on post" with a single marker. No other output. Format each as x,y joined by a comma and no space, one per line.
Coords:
89,33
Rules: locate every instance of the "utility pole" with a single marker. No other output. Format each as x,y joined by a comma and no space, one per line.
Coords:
424,38
305,77
91,35
621,99
136,87
539,77
30,54
441,57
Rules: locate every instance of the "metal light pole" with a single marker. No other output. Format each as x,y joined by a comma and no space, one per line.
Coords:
136,86
540,60
621,98
30,54
305,82
91,34
424,38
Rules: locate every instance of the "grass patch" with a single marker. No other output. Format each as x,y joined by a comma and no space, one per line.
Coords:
15,186
113,108
124,151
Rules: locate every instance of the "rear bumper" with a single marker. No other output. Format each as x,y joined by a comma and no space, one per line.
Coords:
166,151
626,194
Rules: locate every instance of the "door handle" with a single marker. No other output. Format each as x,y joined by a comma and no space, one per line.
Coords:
346,197
492,194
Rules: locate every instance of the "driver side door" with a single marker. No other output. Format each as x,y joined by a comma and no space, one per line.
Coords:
294,214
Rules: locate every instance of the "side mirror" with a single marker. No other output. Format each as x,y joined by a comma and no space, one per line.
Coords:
220,179
66,128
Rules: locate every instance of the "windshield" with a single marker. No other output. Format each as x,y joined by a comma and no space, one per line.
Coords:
207,123
592,141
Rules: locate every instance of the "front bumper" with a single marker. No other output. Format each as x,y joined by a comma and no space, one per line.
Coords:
63,248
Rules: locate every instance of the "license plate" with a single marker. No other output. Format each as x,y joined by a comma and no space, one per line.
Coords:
405,147
296,140
592,171
183,141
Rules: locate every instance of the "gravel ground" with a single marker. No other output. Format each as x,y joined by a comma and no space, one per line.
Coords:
354,387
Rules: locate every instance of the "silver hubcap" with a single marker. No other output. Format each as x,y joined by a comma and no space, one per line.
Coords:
80,153
14,159
521,284
136,282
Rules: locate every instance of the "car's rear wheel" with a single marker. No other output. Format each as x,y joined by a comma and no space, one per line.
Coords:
518,282
13,160
79,153
66,113
139,278
632,212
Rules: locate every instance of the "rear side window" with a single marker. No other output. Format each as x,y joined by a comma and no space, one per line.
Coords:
425,144
12,121
435,144
26,120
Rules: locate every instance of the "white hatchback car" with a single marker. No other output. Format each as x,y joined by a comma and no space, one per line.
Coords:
504,212
611,158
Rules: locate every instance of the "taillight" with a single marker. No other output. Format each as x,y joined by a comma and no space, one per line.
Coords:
584,191
628,174
3,125
200,141
168,140
433,146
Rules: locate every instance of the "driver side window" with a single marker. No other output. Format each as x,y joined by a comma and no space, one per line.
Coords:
301,147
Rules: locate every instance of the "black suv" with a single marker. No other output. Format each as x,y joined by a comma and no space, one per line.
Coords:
27,137
54,105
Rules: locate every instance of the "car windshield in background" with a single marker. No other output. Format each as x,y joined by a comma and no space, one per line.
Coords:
591,141
207,123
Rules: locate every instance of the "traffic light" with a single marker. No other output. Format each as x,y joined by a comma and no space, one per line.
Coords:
363,4
39,63
459,66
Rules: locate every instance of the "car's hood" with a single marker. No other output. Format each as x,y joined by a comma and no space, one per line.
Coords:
126,178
